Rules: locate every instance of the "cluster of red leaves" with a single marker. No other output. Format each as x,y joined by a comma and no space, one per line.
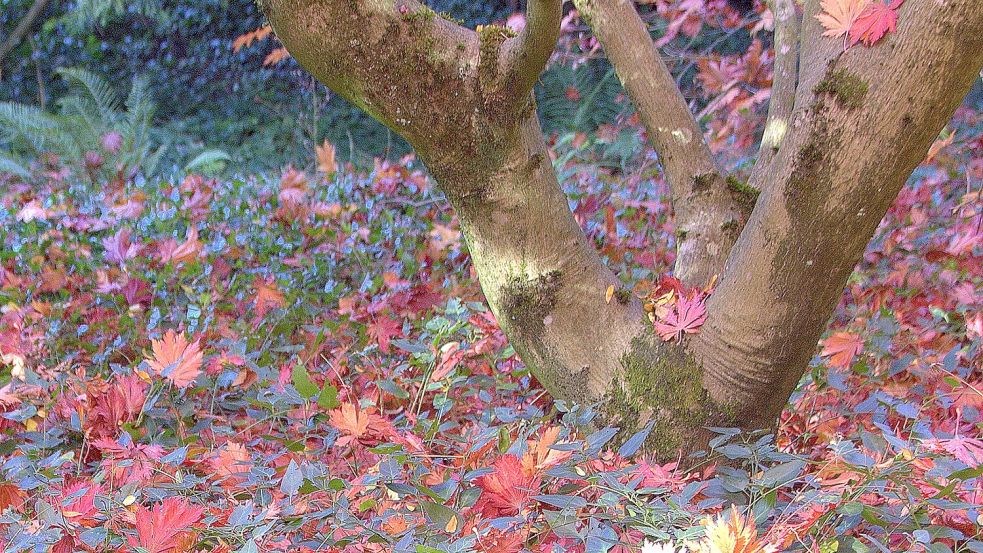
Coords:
862,21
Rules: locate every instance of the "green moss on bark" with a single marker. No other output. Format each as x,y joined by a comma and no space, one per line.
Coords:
527,303
847,88
662,384
746,194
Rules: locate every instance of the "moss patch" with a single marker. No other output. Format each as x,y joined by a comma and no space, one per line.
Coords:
847,88
703,182
623,295
527,303
662,384
490,38
746,194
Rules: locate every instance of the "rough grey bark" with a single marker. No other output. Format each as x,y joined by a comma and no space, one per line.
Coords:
859,122
709,210
23,26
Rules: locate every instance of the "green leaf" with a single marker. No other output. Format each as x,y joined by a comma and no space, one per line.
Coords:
328,398
303,383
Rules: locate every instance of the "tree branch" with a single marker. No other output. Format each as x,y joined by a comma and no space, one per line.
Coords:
22,28
784,81
524,57
709,215
864,120
398,60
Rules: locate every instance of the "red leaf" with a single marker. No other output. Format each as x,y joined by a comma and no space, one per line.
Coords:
841,348
874,22
506,491
686,317
162,529
382,330
967,450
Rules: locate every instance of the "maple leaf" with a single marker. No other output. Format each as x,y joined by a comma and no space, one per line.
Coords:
541,455
164,528
685,317
967,450
326,162
176,359
11,497
232,463
734,535
276,56
119,248
382,330
507,490
838,16
358,425
246,39
172,252
874,22
841,348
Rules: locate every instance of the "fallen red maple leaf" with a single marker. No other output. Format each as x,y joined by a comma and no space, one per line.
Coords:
685,317
874,22
382,330
506,491
163,528
841,348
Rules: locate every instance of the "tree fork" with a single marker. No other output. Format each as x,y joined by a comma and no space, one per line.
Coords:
464,101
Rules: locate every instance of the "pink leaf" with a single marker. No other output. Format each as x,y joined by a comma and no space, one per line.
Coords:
686,317
874,22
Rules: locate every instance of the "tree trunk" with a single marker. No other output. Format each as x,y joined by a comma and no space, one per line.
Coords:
709,211
863,120
860,122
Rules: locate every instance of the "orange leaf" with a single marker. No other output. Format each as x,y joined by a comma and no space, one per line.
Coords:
326,158
276,56
246,39
176,359
163,529
839,15
841,348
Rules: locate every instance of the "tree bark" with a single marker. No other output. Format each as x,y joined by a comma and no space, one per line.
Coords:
709,210
860,122
863,120
22,28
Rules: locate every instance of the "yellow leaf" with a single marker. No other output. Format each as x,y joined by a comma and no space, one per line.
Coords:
451,525
838,15
609,294
326,158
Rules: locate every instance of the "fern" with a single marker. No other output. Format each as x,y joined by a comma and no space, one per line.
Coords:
9,164
86,14
106,99
596,89
93,110
207,160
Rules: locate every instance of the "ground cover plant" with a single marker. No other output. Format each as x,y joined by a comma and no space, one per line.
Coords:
304,360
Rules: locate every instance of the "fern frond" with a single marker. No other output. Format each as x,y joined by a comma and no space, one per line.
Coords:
207,159
12,165
28,123
98,89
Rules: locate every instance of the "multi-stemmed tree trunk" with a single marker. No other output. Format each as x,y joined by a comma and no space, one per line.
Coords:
845,130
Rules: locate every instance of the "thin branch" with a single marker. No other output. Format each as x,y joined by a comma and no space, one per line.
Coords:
785,79
17,36
525,56
672,130
708,213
